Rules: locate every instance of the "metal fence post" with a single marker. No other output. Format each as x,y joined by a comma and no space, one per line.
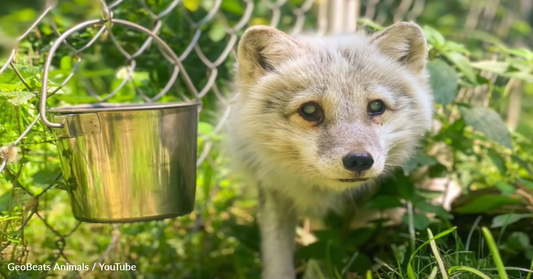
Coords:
341,16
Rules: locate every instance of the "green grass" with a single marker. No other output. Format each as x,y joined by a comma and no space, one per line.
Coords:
220,239
434,258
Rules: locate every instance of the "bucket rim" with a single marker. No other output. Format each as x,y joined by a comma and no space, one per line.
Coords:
110,107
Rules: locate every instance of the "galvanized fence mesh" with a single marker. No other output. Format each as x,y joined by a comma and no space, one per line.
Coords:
65,43
202,36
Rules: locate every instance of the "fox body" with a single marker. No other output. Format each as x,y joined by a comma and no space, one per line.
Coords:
318,118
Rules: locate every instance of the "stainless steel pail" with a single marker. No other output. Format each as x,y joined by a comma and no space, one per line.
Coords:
128,162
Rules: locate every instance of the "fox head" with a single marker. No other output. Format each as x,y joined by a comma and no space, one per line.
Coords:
334,111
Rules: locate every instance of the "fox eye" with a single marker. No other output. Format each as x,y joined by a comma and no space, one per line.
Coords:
376,107
311,112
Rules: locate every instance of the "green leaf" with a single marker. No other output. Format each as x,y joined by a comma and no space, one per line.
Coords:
521,52
45,177
7,87
522,163
191,5
526,183
17,98
4,201
9,76
463,64
205,128
453,46
405,187
28,71
519,75
246,234
506,188
498,161
327,235
369,23
486,203
360,236
520,66
420,221
318,250
217,33
384,202
141,78
232,6
508,219
529,254
518,241
66,63
443,79
361,264
417,161
434,37
488,122
437,170
424,206
498,67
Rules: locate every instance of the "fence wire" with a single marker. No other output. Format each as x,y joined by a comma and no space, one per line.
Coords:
292,16
103,29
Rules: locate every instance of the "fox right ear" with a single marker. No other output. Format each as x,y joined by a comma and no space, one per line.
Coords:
262,49
404,42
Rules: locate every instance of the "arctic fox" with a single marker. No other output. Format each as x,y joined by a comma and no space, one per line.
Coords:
317,118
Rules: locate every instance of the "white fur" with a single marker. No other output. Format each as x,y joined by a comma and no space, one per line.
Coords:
296,164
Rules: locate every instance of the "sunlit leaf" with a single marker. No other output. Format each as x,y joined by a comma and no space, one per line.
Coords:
434,37
488,122
463,64
443,80
491,66
18,98
508,219
192,5
486,203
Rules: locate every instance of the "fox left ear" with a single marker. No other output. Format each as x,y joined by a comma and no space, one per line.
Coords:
404,42
262,49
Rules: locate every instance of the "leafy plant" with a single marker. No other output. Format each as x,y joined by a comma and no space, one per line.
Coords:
473,81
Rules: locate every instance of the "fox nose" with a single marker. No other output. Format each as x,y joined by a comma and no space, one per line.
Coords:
357,161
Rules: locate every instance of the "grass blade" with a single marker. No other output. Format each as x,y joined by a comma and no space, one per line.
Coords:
433,273
317,270
410,272
467,247
468,269
495,254
350,262
446,232
435,250
510,268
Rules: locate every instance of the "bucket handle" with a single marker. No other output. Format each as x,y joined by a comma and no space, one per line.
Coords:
175,60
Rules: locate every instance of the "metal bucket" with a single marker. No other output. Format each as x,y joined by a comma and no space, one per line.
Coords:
126,163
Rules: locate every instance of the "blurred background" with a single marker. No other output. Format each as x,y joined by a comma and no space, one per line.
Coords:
481,67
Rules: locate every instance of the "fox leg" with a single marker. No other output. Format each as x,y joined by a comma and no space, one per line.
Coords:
277,224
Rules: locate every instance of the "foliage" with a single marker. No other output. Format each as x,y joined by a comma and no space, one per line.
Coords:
471,146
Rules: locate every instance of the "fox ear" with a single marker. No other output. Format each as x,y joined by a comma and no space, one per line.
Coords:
262,49
404,42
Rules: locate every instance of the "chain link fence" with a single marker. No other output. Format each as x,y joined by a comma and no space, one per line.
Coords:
106,53
77,46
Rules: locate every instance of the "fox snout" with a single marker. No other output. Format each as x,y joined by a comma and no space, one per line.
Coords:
358,161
